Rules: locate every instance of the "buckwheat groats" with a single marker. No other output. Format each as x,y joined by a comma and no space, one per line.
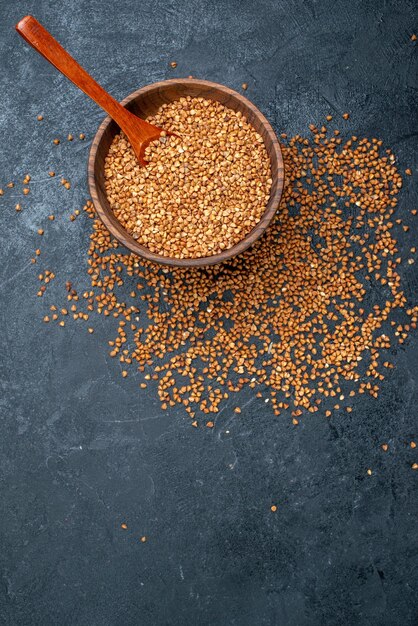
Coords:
202,191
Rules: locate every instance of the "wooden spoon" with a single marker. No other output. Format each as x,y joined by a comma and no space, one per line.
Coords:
138,131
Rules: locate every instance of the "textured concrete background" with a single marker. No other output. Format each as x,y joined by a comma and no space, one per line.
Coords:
82,450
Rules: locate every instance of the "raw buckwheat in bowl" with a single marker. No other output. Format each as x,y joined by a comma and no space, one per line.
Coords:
207,193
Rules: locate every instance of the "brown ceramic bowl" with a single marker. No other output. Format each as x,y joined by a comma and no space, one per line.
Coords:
145,102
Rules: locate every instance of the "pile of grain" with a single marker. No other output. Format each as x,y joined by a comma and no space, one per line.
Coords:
201,192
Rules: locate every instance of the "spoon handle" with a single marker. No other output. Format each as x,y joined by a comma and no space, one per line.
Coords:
44,43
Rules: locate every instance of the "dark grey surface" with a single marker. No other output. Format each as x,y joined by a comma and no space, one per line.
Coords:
83,450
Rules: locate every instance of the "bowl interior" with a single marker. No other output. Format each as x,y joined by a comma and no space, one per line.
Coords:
146,101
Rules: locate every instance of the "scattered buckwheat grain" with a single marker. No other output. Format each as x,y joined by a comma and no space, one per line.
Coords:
308,314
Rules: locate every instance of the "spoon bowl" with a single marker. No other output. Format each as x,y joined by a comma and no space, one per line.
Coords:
146,101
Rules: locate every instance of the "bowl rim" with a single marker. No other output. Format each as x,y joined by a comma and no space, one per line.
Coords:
128,241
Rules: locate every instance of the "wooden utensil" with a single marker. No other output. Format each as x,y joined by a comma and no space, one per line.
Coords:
139,132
